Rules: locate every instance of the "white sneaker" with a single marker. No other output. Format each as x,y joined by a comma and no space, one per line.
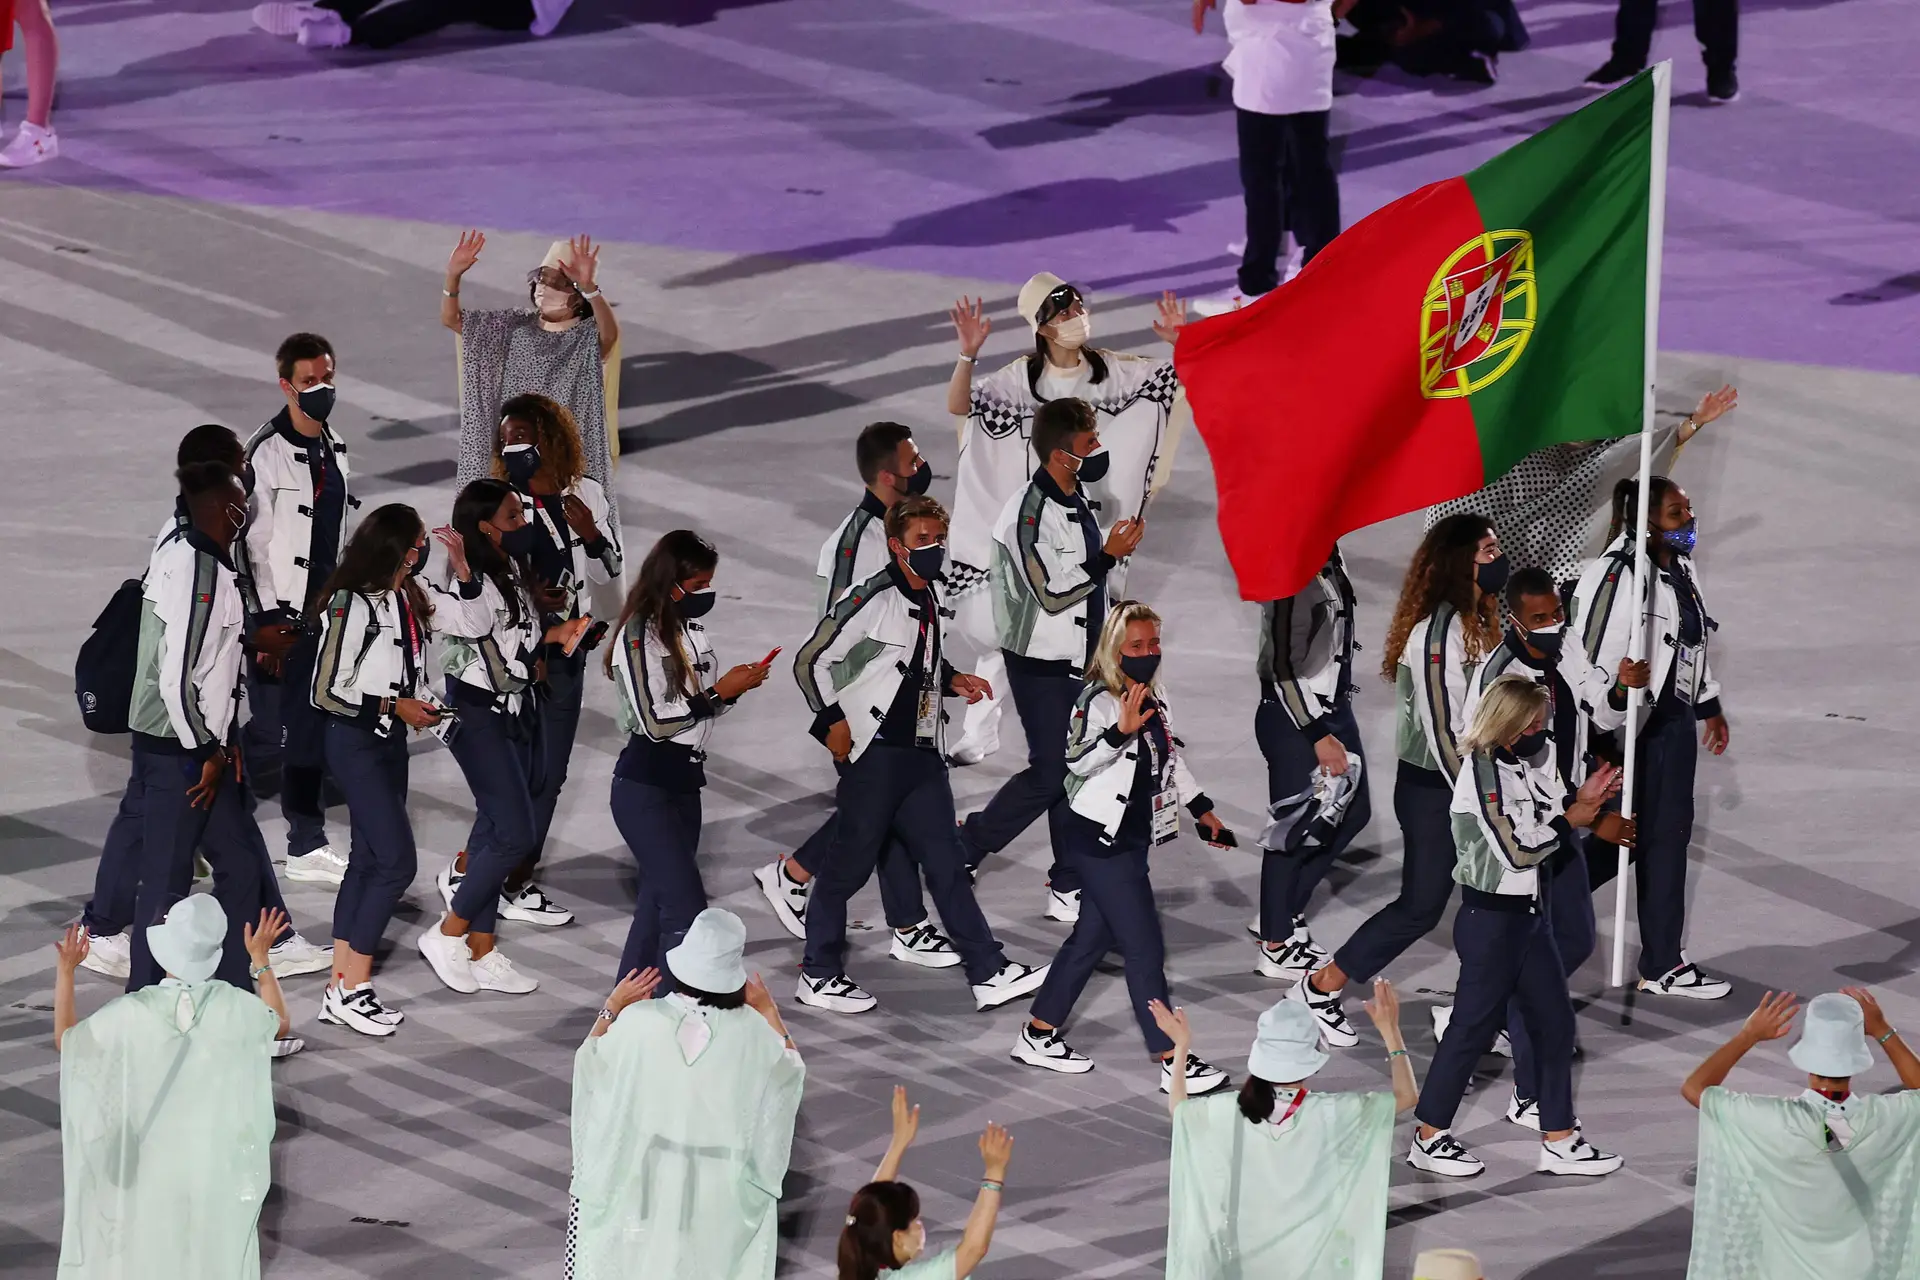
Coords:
835,995
451,959
494,972
1283,960
322,866
1303,937
448,880
286,1047
1253,928
1443,1018
925,946
1326,1010
1238,247
1444,1155
1202,1076
531,906
786,896
201,870
31,146
1524,1112
1689,980
1049,1051
1010,983
325,30
1578,1157
1295,260
357,1010
293,955
1060,906
975,747
282,19
109,955
1221,303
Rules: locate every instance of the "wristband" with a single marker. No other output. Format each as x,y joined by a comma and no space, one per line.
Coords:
449,293
969,359
1891,1033
988,1184
265,969
605,1015
1395,1053
587,294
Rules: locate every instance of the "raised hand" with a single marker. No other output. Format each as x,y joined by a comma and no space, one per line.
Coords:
1876,1021
1170,315
456,547
581,263
72,947
1774,1017
465,253
639,984
259,941
580,519
906,1119
1132,716
1716,403
970,324
1173,1024
996,1149
1384,1008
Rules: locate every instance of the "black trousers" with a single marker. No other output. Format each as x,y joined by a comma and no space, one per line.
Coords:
372,773
1664,768
1570,924
1045,704
1420,801
406,19
1287,880
286,740
1716,25
171,830
900,897
559,712
1286,173
499,756
662,831
903,791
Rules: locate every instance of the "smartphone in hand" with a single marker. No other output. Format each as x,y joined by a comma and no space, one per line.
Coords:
771,655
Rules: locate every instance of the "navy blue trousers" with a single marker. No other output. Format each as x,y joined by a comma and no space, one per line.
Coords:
904,791
1045,704
286,736
1420,801
1287,880
559,711
171,829
662,831
900,897
499,756
1570,923
371,772
1663,817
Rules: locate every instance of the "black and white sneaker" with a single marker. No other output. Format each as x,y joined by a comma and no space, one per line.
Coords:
1202,1076
358,1010
531,906
448,881
1689,980
1722,87
1577,1157
1010,983
1612,72
1064,907
1443,1154
1253,928
835,995
925,946
787,896
1287,960
1303,936
1326,1010
1049,1051
1525,1112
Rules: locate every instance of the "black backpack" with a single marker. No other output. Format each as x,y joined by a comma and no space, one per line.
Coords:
103,672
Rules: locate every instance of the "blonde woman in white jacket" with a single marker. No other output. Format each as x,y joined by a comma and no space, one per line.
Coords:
1126,783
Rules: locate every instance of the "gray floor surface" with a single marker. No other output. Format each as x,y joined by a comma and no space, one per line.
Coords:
443,1151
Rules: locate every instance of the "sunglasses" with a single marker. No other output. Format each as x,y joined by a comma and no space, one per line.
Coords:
1061,299
551,277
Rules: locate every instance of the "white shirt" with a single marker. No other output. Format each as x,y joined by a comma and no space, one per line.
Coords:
1282,56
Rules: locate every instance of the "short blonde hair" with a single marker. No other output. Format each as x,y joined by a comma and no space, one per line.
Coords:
1507,710
1113,634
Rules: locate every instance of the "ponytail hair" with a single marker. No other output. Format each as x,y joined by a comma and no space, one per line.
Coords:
1626,496
1257,1100
866,1243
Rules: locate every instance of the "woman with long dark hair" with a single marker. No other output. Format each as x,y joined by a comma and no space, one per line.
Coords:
884,1236
370,678
664,667
1446,622
491,654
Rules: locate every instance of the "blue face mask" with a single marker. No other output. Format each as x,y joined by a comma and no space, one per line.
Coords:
1681,541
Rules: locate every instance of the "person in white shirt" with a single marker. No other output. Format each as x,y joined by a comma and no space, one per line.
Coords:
1282,68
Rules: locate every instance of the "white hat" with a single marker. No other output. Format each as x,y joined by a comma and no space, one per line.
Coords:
1833,1038
557,254
1447,1264
187,943
708,958
1286,1044
1033,295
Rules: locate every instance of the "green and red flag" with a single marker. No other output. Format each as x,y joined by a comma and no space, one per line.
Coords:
1436,342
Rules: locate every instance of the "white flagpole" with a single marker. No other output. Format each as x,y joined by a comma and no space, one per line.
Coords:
1637,640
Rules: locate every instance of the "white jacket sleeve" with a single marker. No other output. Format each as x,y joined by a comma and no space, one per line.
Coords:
1055,570
845,625
1591,686
342,625
604,566
183,600
1093,741
259,532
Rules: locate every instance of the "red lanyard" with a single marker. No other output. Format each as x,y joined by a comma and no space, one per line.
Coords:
413,629
1294,1106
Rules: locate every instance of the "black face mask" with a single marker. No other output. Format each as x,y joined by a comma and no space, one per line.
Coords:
1093,467
929,564
1528,745
1547,639
317,402
520,461
920,481
518,543
419,561
1140,669
696,604
1491,577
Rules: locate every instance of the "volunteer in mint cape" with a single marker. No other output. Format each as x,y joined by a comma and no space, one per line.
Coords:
166,1106
1278,1181
1821,1183
683,1114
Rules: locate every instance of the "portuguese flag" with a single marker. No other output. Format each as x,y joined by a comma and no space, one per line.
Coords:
1437,342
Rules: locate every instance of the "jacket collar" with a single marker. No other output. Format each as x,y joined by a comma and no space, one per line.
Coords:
1518,647
872,506
206,546
1044,480
282,424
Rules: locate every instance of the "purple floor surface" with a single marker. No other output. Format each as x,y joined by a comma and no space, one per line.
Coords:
990,138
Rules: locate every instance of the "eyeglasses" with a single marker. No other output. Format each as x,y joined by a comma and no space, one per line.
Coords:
1062,299
552,277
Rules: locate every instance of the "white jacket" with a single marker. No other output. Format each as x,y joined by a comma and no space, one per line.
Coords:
1432,680
1101,764
192,622
480,647
1603,618
851,666
1508,818
587,567
856,551
1305,660
1047,590
646,706
366,657
1282,56
279,529
1588,684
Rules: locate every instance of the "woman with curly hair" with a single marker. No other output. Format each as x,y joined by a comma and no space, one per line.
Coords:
1445,624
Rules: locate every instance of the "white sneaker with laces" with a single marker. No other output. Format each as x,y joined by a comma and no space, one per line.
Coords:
357,1010
1326,1010
282,19
33,145
925,946
532,906
1049,1051
293,955
494,972
1443,1018
1524,1112
1577,1157
836,995
1009,983
1689,980
1443,1154
451,958
448,881
286,1047
321,866
1064,907
787,896
110,955
325,30
1202,1076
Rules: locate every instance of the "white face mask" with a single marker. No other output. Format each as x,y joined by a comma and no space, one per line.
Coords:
551,302
1073,333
